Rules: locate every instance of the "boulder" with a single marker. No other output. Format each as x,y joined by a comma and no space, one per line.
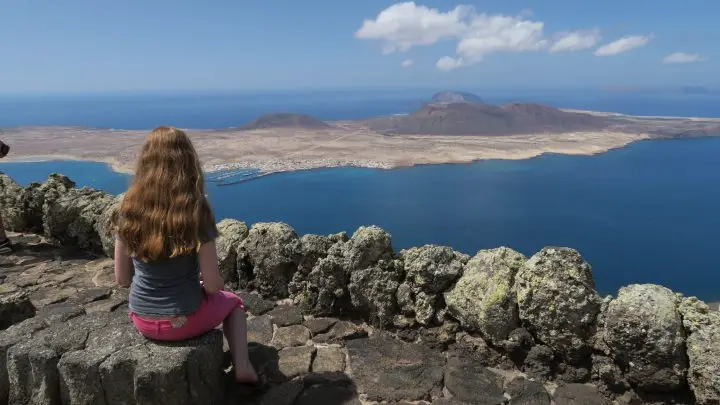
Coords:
366,247
38,196
526,392
696,314
703,351
269,251
644,332
372,292
310,249
71,219
10,205
558,302
105,226
231,234
484,299
324,292
429,270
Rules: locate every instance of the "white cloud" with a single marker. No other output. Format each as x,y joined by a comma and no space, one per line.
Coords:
488,34
575,41
407,63
682,57
405,25
447,63
623,44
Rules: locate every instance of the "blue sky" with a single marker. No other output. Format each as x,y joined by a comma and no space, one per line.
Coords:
190,45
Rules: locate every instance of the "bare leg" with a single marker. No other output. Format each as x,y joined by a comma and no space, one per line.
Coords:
235,329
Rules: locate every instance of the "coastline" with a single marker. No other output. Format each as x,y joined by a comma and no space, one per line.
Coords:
112,164
269,167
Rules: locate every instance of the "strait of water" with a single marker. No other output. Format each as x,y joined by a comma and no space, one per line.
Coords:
647,213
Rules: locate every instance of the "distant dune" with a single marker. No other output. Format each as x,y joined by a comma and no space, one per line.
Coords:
286,120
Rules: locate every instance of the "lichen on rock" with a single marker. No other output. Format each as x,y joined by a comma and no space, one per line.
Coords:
10,206
703,351
71,218
484,299
37,197
269,251
231,233
558,302
644,332
429,270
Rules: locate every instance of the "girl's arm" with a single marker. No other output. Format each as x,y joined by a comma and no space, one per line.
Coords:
123,265
212,281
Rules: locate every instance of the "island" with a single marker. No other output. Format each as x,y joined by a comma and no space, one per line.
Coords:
450,128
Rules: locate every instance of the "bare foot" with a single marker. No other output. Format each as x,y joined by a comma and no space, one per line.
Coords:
246,374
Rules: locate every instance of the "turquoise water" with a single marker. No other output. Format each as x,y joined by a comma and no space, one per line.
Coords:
643,214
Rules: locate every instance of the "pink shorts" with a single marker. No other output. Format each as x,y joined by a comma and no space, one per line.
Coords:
212,312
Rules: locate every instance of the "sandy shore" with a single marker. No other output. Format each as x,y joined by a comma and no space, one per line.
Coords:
279,150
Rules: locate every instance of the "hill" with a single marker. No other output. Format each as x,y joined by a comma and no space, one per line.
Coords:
449,97
285,120
465,118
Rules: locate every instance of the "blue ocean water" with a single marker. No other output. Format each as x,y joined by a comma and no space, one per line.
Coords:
146,111
643,214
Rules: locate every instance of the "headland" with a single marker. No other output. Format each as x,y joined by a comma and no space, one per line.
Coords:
452,128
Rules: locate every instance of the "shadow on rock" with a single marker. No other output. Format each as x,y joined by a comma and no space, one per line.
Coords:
287,379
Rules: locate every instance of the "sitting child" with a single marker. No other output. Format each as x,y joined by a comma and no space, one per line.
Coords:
165,251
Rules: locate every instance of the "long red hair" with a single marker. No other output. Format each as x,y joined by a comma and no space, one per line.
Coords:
165,213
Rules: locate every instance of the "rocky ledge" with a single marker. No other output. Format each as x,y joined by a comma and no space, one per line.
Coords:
340,320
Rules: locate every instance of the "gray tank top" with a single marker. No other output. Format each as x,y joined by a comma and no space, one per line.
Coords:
167,287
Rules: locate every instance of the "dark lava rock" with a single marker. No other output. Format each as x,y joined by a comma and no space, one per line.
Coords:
15,307
260,330
254,303
340,331
330,395
319,325
284,394
526,392
386,369
329,360
578,394
288,336
295,361
469,381
538,363
286,316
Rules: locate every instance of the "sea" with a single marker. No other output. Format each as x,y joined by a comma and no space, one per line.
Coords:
646,213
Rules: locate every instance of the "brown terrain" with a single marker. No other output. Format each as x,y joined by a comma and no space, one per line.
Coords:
445,131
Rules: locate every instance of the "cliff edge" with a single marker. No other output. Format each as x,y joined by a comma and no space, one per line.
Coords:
340,319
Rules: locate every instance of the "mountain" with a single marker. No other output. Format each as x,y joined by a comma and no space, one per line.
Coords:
286,120
450,97
486,119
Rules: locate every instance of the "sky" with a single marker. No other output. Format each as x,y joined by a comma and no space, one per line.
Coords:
76,46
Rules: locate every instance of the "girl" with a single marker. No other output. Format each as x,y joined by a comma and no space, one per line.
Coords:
165,251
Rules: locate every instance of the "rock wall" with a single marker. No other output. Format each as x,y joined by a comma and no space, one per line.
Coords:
439,324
